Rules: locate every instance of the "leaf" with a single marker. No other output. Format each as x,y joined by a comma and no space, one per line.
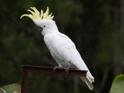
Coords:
12,88
118,84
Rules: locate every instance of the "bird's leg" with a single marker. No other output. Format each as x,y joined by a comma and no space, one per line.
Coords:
57,67
67,68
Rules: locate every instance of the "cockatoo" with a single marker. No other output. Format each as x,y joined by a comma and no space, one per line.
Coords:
61,47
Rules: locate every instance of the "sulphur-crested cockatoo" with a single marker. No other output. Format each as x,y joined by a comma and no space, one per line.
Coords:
61,47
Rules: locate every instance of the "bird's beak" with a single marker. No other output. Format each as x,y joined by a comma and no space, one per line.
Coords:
40,29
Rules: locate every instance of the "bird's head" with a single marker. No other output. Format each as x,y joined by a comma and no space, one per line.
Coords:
42,19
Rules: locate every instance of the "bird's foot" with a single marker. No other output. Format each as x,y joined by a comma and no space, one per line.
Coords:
56,67
67,70
67,67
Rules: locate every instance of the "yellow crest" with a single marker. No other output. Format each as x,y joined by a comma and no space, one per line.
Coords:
36,15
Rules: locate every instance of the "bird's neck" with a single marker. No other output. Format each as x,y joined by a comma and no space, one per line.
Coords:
50,31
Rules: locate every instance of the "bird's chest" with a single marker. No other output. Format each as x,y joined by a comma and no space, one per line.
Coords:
60,47
53,42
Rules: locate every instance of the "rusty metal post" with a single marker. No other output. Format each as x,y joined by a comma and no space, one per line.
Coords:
47,70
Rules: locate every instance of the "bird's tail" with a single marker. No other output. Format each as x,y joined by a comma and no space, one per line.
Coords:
89,79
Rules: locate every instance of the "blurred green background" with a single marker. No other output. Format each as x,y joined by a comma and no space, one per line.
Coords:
96,27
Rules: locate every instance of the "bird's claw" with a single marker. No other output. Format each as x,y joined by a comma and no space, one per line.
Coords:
67,70
60,67
56,67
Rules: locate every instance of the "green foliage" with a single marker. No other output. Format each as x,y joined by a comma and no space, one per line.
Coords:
12,88
118,84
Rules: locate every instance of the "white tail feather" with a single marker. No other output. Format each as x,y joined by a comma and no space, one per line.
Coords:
89,79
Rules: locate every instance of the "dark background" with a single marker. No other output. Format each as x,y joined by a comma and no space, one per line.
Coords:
96,27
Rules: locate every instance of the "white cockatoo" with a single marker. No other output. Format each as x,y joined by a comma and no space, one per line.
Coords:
61,47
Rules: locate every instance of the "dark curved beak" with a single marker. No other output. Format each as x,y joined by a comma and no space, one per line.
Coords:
40,29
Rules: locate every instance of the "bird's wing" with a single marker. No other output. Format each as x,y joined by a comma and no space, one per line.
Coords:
67,42
73,55
69,52
63,49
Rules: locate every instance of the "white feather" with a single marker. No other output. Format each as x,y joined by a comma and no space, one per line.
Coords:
64,52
